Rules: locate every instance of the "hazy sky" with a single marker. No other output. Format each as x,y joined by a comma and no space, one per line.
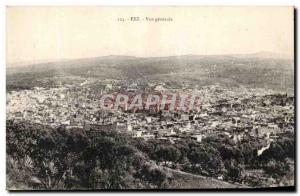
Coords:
46,33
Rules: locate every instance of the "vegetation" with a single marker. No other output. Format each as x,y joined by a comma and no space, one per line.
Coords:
41,157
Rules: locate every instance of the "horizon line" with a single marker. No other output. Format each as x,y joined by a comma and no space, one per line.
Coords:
57,60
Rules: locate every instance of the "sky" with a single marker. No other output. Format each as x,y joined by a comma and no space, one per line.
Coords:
52,33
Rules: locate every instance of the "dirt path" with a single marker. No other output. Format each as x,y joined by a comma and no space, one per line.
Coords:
183,180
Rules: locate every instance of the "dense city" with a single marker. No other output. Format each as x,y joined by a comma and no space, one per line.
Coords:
241,115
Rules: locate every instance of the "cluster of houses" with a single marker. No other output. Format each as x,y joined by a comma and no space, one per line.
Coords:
236,114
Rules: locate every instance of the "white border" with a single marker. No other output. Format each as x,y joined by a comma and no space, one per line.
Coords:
153,2
5,3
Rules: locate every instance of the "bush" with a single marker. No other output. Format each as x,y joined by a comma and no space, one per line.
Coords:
76,159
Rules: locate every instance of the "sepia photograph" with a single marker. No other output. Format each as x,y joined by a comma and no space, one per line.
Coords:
126,98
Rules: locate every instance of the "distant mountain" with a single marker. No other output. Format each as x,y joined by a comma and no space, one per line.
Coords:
118,59
263,70
263,55
36,62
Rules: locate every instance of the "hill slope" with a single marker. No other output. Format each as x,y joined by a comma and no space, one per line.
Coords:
185,180
253,70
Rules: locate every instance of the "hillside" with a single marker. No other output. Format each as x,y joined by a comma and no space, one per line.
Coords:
252,70
190,181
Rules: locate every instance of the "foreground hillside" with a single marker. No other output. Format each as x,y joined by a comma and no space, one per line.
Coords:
40,157
97,159
190,181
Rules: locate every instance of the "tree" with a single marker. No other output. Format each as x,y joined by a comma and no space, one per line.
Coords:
234,170
167,153
206,159
154,176
277,169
